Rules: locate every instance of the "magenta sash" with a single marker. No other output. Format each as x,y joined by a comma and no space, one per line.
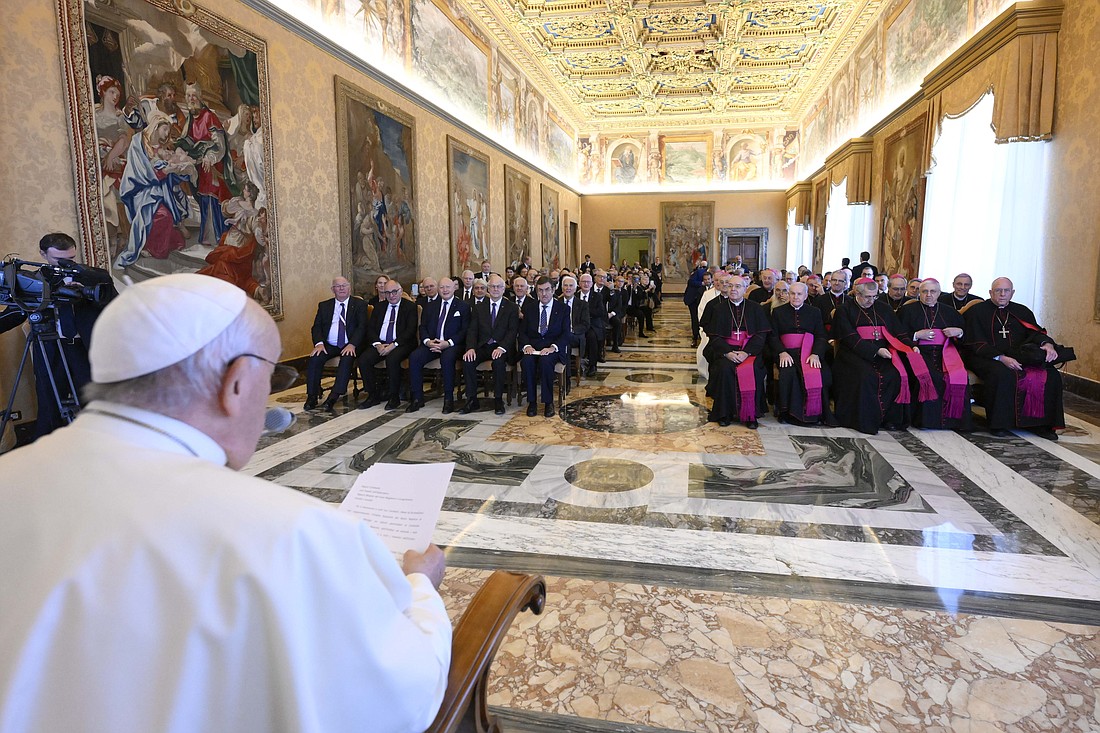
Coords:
916,363
810,377
746,379
1033,383
954,373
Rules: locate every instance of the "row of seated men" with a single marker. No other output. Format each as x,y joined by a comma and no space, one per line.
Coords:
535,332
884,365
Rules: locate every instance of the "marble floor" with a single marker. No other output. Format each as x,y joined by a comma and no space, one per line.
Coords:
720,579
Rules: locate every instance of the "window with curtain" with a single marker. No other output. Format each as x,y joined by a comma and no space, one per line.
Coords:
847,229
984,207
799,244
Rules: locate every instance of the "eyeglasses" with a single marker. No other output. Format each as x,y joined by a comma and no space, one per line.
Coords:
282,376
396,291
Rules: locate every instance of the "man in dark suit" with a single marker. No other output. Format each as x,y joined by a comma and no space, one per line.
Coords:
75,319
491,336
580,321
545,329
442,336
597,322
338,330
391,337
587,266
615,310
429,292
693,293
636,301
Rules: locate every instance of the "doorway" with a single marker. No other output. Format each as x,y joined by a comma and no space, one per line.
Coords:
749,242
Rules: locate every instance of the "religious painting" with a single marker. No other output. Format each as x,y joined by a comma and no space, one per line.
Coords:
378,224
507,92
551,228
468,197
843,110
169,118
814,130
746,160
533,122
517,216
868,79
374,30
820,209
625,161
920,34
903,199
560,148
785,154
685,160
451,65
686,231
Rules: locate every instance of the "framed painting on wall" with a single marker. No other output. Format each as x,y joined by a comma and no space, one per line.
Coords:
550,214
685,159
517,216
820,203
468,194
170,118
686,229
375,168
903,199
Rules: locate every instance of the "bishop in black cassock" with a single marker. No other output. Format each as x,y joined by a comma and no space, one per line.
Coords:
1004,348
738,330
937,330
802,390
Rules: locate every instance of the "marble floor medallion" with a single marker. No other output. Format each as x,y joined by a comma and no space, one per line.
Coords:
643,378
610,475
637,413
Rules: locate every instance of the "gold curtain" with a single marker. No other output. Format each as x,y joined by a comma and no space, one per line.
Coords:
852,164
798,199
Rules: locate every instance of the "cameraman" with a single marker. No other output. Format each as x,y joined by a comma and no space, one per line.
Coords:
74,327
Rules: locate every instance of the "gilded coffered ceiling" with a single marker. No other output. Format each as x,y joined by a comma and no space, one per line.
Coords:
617,64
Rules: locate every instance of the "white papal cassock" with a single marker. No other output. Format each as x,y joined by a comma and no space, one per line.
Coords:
145,589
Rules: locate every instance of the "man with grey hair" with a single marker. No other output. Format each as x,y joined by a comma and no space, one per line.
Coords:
467,294
338,331
147,582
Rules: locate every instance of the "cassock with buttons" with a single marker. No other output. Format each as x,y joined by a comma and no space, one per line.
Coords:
737,329
941,353
802,390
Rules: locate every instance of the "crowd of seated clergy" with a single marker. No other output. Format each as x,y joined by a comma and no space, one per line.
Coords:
882,352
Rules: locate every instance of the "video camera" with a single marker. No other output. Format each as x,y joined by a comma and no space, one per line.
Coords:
36,286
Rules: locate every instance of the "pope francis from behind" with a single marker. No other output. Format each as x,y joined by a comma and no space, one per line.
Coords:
145,585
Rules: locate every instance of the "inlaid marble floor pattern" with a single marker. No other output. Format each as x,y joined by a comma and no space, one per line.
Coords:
720,579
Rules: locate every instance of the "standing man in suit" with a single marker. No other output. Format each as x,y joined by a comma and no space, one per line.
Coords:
338,328
542,338
580,321
491,335
597,322
693,293
442,336
615,311
391,335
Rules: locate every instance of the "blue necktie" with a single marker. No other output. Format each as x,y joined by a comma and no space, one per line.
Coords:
443,319
341,330
393,323
542,322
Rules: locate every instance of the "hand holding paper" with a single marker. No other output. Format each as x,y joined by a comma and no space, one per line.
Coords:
400,502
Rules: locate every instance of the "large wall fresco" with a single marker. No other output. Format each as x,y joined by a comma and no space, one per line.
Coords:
437,50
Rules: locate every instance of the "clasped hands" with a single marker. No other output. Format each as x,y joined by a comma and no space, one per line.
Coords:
737,356
438,345
541,352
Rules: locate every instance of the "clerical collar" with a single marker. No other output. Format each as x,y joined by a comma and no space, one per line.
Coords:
737,302
958,298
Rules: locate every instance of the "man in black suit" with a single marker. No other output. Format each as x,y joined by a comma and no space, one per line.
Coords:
580,321
587,266
391,337
491,335
467,293
442,336
636,300
75,319
542,337
615,310
338,330
597,321
429,292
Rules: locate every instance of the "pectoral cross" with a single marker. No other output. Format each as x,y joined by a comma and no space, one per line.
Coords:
737,334
874,332
1003,331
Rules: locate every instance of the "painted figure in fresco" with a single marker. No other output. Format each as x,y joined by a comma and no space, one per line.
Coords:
550,246
475,225
206,142
401,221
900,215
114,128
628,166
232,260
742,163
377,210
151,191
253,153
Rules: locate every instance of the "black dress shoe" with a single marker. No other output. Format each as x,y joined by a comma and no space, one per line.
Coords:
548,410
329,405
311,403
393,404
616,350
752,425
469,407
498,407
781,418
532,409
368,403
1046,433
414,405
448,407
1000,433
725,422
590,373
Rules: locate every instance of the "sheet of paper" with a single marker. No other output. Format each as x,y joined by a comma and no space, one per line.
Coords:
400,502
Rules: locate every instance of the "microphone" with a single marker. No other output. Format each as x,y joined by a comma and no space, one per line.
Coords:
278,419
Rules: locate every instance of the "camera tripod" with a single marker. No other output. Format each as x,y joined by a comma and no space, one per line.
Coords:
45,340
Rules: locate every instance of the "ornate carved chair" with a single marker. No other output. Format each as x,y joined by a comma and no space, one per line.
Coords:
477,636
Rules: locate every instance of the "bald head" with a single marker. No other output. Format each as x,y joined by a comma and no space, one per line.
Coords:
1001,292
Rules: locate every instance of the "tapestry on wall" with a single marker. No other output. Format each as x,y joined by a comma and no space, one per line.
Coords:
903,199
517,216
820,210
375,143
170,121
468,194
551,228
686,231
